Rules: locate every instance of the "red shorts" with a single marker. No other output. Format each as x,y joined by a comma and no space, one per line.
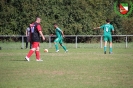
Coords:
35,44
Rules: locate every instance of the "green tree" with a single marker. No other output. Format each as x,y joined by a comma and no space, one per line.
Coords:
75,17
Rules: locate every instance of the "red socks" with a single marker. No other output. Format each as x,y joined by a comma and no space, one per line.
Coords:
37,55
30,53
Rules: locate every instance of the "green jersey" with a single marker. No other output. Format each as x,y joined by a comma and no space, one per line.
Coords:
59,39
107,28
58,33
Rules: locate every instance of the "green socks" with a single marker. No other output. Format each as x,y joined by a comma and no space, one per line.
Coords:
64,47
110,49
56,47
105,49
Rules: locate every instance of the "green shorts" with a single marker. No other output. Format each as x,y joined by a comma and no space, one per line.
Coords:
59,40
107,38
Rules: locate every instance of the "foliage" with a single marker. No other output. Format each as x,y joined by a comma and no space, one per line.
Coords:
73,16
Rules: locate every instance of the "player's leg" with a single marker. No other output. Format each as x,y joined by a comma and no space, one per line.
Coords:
63,46
26,42
29,40
26,45
30,45
38,53
56,41
105,44
110,45
110,48
30,52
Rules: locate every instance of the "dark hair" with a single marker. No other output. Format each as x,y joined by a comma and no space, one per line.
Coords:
37,18
55,24
107,20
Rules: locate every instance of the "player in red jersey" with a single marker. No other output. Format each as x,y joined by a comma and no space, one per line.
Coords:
36,31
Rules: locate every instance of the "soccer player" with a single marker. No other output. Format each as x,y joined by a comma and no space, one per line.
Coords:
36,31
59,38
107,28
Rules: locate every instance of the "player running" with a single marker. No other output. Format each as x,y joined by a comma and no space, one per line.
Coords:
36,31
59,38
107,28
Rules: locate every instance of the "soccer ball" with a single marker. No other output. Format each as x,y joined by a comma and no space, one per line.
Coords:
46,50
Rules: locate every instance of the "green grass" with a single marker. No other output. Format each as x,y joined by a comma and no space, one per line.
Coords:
18,45
79,68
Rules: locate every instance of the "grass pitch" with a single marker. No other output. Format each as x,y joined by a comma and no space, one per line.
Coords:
79,68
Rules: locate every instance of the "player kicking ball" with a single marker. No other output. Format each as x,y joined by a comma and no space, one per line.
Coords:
107,29
59,38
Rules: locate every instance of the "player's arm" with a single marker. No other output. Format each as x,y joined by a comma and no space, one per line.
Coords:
112,30
40,31
101,27
26,33
97,28
61,31
53,34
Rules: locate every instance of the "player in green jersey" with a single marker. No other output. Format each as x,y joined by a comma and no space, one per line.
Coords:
108,29
59,38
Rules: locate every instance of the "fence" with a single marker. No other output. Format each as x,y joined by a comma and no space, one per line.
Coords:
75,39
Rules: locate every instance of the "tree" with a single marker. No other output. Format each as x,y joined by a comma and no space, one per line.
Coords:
75,17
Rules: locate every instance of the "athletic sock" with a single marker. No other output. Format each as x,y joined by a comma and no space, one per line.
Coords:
30,53
110,49
56,47
64,47
105,48
37,55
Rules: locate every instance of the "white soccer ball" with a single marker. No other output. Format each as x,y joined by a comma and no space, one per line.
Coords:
46,50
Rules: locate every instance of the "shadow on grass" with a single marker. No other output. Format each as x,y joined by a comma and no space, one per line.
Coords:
17,60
